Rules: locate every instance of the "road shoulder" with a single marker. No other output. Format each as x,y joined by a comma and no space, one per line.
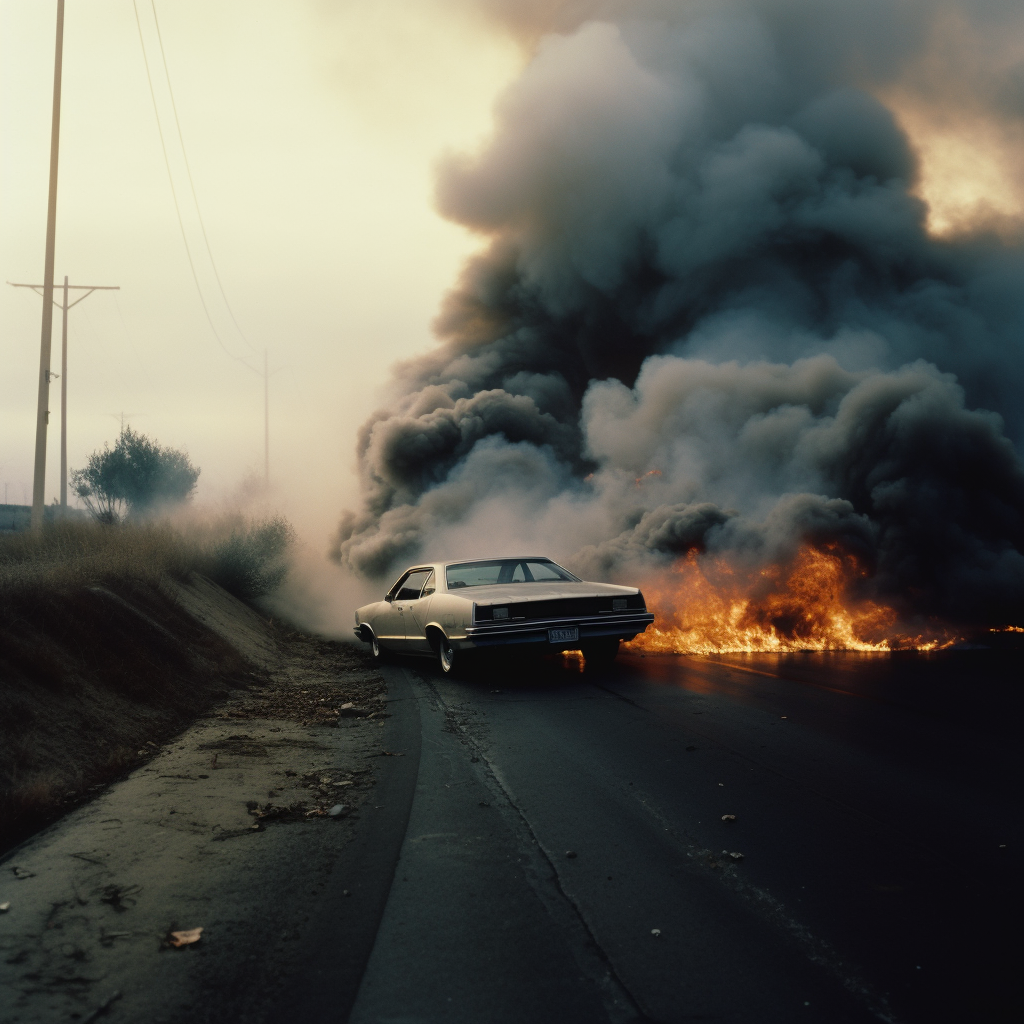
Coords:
226,828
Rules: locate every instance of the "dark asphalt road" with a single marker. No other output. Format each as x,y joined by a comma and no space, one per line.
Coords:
876,810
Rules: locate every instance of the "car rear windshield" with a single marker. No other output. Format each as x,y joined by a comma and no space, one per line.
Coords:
506,570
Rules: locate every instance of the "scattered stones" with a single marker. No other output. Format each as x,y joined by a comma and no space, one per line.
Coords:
728,817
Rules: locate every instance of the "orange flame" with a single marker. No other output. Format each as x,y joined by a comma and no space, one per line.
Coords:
651,472
705,605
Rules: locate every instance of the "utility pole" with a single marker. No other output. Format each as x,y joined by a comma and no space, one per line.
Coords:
266,423
40,289
42,407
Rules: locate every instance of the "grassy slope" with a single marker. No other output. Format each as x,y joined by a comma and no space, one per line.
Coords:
98,659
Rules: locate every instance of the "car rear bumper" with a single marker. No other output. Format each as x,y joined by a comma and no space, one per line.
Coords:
623,626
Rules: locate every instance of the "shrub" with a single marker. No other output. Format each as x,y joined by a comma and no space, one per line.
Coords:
136,475
251,560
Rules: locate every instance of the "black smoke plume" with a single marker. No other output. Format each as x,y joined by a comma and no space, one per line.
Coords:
710,317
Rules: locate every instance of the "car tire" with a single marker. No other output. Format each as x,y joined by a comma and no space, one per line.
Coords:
599,653
376,650
446,656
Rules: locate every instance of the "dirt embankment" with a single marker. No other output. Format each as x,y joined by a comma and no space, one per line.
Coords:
234,831
94,679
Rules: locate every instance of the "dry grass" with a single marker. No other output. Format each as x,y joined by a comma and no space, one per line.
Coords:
97,661
246,557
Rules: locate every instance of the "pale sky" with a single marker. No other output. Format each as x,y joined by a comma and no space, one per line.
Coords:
311,130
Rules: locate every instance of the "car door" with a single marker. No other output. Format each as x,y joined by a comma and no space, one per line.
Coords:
388,623
408,594
416,617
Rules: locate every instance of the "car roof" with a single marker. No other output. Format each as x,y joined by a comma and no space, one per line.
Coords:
436,566
500,558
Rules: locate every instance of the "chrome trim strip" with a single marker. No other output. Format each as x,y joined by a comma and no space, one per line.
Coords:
542,625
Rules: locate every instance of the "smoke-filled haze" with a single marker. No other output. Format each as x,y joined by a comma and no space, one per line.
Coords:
735,298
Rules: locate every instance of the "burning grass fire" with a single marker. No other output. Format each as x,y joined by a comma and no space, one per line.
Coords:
705,605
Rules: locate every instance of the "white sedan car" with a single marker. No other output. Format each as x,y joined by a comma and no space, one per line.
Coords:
445,608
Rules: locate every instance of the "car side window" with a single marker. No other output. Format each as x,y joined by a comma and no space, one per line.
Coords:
428,587
519,576
412,585
543,572
392,594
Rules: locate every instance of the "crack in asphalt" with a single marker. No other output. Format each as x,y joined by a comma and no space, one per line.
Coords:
768,907
620,1004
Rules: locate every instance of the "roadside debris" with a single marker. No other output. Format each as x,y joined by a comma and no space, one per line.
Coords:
120,899
184,938
728,817
4,907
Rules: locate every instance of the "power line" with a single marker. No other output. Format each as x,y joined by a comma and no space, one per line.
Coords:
174,195
188,168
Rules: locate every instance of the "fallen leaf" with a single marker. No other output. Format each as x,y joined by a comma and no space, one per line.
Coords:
184,938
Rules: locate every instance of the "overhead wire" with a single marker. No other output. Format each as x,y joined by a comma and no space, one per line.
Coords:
188,168
174,195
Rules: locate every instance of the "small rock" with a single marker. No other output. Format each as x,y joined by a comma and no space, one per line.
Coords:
337,811
736,856
728,817
345,892
656,932
4,907
570,854
23,873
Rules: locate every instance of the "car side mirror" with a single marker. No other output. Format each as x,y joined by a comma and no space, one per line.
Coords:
388,598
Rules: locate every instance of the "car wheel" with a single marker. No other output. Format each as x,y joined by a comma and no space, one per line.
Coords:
446,656
376,649
599,653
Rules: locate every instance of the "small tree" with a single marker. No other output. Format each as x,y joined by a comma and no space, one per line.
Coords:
134,476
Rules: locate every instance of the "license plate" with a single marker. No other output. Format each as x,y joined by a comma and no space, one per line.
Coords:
563,636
